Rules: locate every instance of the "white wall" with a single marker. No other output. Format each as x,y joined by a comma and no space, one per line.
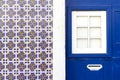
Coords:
58,39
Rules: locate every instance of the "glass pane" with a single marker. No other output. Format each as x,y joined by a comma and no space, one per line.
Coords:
95,21
95,32
82,32
95,43
82,43
82,21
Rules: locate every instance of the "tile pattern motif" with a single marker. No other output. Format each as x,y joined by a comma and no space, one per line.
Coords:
26,39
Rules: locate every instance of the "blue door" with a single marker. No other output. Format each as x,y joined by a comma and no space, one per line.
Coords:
92,39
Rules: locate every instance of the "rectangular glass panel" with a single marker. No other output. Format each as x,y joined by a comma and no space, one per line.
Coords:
95,43
82,21
95,21
82,43
82,32
95,32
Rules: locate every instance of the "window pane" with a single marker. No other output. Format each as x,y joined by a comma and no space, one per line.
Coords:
82,21
95,21
82,32
95,43
82,43
95,32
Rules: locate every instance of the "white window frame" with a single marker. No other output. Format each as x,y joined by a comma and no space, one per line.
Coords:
103,48
59,40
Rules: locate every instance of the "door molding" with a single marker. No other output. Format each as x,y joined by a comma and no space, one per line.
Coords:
59,40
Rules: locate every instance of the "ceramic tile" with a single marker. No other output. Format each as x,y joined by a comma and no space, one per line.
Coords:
26,39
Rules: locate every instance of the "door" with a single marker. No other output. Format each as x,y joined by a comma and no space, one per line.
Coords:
92,40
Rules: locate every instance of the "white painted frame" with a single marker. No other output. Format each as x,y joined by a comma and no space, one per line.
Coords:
59,40
101,50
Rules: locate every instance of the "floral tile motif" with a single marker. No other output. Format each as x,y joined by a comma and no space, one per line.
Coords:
26,39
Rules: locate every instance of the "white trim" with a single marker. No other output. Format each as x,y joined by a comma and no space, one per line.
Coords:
59,40
75,49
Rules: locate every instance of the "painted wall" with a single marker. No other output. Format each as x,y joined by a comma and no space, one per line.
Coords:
59,40
26,39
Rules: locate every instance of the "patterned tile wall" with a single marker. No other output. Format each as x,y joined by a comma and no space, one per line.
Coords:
26,39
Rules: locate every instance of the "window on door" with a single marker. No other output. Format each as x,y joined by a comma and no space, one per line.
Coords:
89,32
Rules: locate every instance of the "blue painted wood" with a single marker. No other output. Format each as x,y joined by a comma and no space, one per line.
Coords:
76,63
116,68
77,70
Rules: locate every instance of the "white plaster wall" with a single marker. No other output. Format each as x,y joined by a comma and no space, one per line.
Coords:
58,39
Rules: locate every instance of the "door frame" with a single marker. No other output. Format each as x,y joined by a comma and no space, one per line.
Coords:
59,40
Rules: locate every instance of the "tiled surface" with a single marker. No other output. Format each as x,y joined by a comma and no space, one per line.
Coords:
26,39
